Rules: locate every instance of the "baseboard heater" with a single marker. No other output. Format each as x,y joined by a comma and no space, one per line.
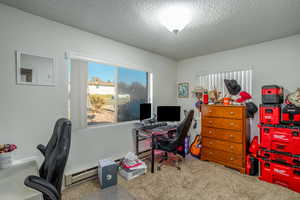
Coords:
82,176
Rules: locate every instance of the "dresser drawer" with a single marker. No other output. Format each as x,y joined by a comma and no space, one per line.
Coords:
222,134
231,112
232,124
222,145
221,156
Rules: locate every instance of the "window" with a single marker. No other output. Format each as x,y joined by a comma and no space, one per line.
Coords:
103,94
132,91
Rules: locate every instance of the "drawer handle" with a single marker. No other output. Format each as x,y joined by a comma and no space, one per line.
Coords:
210,122
231,159
210,132
209,111
231,147
231,136
232,113
210,153
231,124
210,143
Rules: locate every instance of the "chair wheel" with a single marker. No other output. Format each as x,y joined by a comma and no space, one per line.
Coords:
178,168
158,168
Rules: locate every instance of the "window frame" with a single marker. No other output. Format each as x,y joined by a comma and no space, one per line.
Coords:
75,55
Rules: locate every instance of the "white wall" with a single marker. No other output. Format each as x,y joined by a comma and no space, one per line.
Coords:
274,62
28,113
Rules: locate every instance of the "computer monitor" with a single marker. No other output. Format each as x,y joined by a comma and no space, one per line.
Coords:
145,111
168,113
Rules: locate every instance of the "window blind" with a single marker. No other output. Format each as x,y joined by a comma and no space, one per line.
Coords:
216,80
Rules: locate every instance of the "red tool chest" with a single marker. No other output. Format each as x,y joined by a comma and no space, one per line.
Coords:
272,94
270,113
280,157
279,148
290,114
284,175
280,138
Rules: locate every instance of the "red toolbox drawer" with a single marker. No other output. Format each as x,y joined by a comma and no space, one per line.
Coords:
272,94
290,114
284,175
280,138
270,113
279,157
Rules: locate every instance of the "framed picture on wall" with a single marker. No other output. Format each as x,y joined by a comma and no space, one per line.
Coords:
183,90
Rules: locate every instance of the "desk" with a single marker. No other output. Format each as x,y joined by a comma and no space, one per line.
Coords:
12,182
142,135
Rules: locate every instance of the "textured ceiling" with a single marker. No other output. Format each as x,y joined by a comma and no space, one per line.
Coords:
216,25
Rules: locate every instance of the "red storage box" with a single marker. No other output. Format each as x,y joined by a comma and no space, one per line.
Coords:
280,157
272,94
269,113
290,114
280,138
284,175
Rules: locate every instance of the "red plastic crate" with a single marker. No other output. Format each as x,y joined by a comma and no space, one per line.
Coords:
284,175
290,114
279,157
272,94
280,138
270,113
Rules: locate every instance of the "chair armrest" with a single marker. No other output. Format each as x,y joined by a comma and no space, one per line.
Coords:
161,137
42,186
42,148
172,134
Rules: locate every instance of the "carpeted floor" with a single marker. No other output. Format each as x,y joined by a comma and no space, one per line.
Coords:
197,180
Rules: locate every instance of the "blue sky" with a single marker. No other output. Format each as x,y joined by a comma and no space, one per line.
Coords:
107,73
104,72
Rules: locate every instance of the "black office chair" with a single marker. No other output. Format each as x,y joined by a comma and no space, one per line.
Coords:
172,145
56,155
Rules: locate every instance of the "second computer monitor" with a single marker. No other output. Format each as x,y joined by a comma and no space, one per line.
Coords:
145,111
168,113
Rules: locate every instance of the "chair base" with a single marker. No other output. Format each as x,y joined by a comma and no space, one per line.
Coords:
165,158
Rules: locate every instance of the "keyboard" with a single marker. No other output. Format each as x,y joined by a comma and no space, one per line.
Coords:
153,126
165,128
170,127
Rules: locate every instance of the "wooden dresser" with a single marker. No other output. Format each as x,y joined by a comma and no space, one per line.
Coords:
225,135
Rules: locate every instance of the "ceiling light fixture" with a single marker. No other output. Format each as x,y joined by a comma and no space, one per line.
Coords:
175,18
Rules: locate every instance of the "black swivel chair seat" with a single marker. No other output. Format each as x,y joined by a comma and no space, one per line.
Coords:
56,155
166,145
